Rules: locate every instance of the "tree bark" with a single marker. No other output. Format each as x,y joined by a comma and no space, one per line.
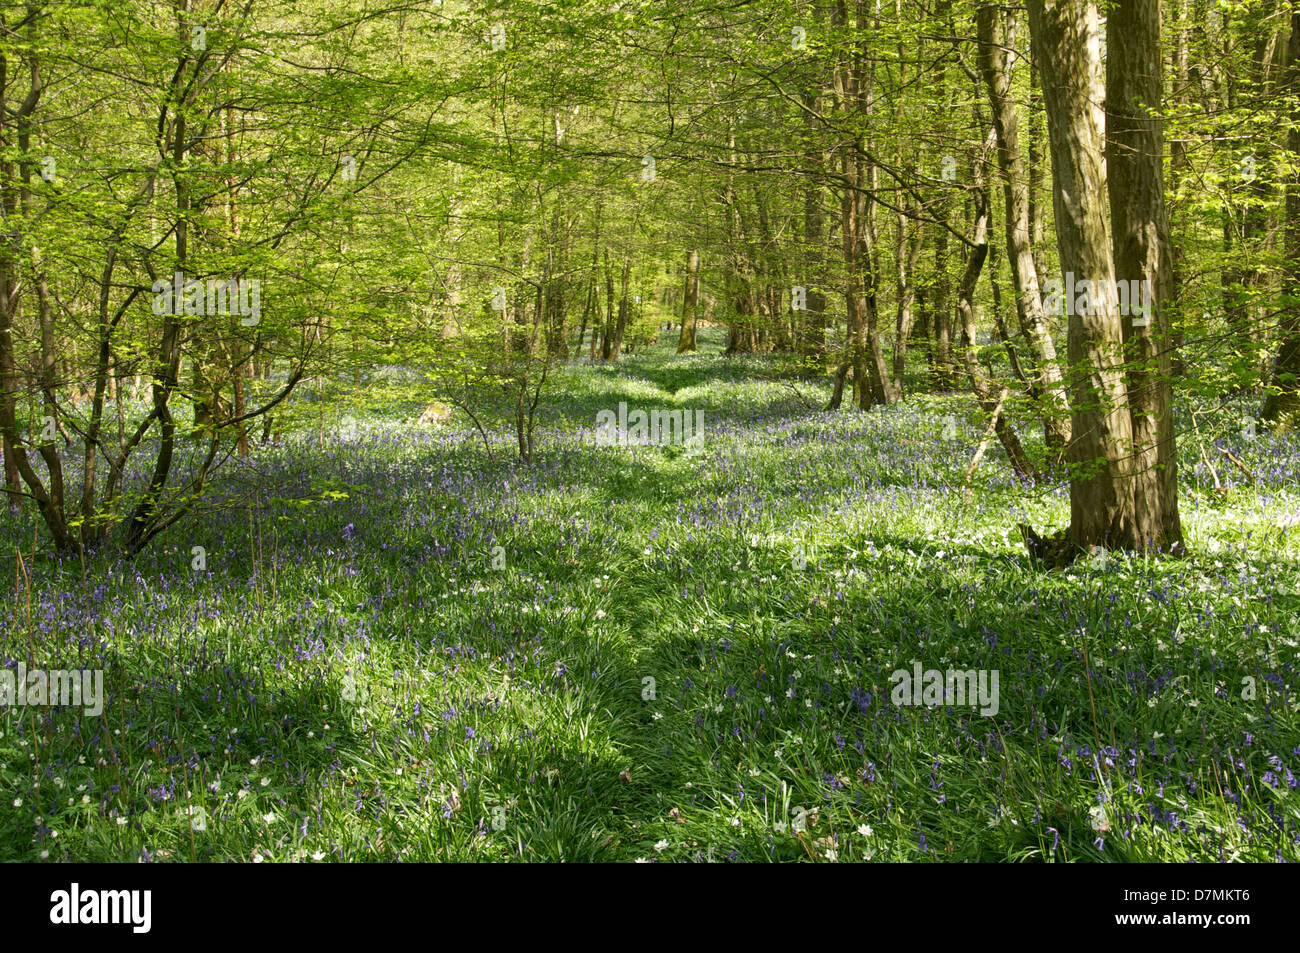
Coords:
620,327
1141,252
942,374
1282,402
996,27
813,332
870,372
690,304
990,399
1065,38
607,335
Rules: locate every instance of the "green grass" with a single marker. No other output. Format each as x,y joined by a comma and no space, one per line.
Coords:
351,679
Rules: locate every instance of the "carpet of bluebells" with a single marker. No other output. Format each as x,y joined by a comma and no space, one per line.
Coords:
402,647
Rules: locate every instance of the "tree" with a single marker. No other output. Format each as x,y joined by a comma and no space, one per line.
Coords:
1142,252
690,303
996,27
1282,402
1104,457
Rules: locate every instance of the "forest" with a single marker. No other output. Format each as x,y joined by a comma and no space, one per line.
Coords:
582,430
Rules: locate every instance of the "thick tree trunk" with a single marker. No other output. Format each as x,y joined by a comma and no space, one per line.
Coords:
1141,252
1065,38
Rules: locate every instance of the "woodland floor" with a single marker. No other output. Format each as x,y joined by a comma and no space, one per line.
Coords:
687,654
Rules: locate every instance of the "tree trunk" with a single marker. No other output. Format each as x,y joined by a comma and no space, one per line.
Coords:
690,304
990,400
1179,168
620,328
813,334
996,28
607,336
854,92
941,366
13,485
1141,252
1282,403
1065,38
908,255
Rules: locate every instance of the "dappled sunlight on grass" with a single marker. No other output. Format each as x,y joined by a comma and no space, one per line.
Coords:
662,653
